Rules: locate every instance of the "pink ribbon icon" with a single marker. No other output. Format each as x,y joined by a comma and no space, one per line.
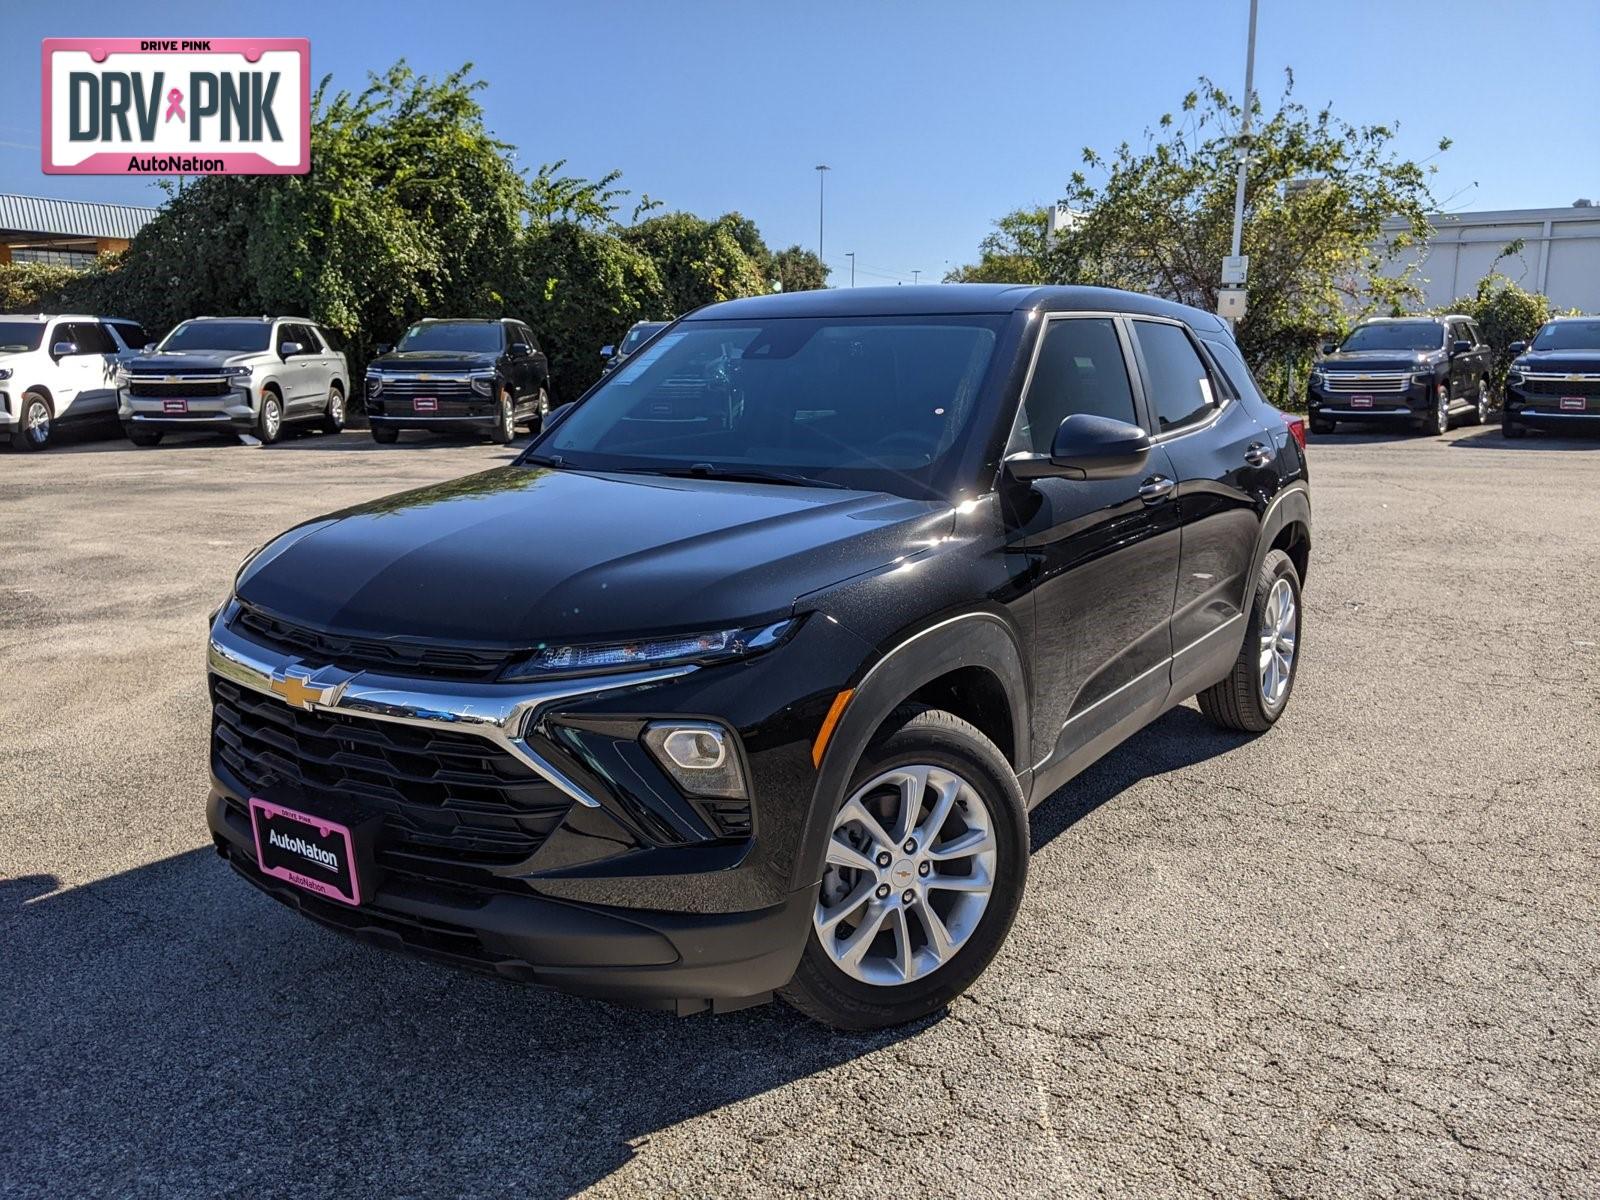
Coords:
175,105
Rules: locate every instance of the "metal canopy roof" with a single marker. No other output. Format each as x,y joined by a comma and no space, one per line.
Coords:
72,218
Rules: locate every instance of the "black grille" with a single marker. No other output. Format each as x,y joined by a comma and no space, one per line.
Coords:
370,654
1561,387
156,387
452,805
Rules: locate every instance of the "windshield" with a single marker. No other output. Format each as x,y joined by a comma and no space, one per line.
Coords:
637,336
219,335
1396,335
877,403
18,336
472,337
1558,335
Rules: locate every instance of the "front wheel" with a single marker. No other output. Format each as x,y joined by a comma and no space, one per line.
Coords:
1436,422
1323,425
37,424
505,425
385,436
269,419
145,437
924,869
1256,691
1512,428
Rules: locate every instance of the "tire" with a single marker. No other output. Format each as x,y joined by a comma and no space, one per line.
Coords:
1480,415
1436,422
36,425
385,436
877,990
541,410
145,437
333,412
1323,425
1512,428
506,427
1240,701
269,418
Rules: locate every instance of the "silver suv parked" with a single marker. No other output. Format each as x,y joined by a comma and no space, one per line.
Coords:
247,375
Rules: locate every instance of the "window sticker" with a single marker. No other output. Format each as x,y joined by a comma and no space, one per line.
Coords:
639,363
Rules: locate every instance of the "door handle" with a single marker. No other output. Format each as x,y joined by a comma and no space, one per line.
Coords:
1257,455
1156,489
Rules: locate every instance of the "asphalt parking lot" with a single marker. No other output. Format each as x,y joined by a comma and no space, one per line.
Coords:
1357,956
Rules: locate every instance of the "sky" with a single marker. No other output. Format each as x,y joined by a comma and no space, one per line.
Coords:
935,117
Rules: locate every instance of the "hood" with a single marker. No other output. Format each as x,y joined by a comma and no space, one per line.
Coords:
1561,362
434,360
1380,360
195,361
520,555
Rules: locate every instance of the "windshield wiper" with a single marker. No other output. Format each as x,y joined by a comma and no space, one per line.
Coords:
736,475
542,460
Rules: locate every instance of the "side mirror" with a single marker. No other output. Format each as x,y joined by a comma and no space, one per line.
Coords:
149,347
1461,347
520,349
383,347
607,350
1516,347
1086,447
1329,347
289,349
62,349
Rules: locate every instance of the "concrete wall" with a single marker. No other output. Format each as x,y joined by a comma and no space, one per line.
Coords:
1560,257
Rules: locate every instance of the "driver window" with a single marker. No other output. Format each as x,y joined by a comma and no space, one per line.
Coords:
1080,370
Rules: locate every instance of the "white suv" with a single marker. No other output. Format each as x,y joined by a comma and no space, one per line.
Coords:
59,370
247,375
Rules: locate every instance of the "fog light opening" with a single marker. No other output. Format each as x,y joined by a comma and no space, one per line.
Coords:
699,756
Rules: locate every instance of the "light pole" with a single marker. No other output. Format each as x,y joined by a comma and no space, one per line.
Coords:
822,169
1244,135
914,274
851,255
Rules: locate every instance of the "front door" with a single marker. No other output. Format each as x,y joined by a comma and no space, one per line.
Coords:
1103,553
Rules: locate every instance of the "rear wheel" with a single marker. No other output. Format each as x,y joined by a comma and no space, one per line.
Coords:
541,410
385,436
1256,691
36,424
1481,415
269,418
924,870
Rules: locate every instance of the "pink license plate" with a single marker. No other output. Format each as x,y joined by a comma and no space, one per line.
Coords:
310,852
1573,404
175,406
425,404
1360,401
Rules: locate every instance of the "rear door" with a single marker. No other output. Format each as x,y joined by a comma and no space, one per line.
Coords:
1103,553
1222,459
317,368
93,369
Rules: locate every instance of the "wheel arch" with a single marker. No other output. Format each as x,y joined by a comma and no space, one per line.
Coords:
973,660
1286,526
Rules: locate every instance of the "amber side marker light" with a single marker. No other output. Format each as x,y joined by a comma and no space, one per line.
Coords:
835,711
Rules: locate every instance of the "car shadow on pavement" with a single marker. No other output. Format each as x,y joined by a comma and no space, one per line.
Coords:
1181,738
170,1030
1490,438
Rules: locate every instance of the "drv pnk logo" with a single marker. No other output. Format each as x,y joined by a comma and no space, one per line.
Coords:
114,106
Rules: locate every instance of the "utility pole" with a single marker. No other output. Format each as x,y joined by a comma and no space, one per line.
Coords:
851,255
1244,166
914,274
822,168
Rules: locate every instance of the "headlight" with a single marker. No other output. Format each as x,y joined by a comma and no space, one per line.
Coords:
1514,375
483,384
1318,379
718,645
374,384
121,379
5,372
236,372
701,757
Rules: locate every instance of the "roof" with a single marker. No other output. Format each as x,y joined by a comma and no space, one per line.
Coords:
936,299
72,218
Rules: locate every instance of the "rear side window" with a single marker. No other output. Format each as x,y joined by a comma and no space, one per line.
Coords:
1176,382
134,335
1080,370
91,338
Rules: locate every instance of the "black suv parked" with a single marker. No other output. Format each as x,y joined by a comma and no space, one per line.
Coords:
459,376
846,582
638,334
1425,370
1555,382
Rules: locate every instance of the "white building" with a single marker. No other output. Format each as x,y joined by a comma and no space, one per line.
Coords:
1560,254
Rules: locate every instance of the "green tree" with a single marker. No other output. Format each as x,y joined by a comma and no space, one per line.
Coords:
1016,250
1328,204
33,287
700,261
799,270
1505,313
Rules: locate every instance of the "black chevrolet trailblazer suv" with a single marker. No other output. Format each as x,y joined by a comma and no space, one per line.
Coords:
846,581
1426,371
1554,382
459,376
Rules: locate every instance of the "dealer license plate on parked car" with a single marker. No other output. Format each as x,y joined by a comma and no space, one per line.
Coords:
1573,404
175,406
425,404
1360,401
310,852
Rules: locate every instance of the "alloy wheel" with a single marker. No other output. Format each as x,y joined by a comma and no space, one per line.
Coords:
271,416
1279,630
1483,402
1442,415
336,408
909,871
508,418
36,422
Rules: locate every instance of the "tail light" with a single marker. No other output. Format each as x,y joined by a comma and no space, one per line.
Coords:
1297,430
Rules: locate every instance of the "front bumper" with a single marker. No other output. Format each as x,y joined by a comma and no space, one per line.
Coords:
1554,412
233,411
1415,400
448,424
630,891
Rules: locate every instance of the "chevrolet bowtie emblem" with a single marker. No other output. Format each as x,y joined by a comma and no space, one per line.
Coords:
1574,378
298,690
